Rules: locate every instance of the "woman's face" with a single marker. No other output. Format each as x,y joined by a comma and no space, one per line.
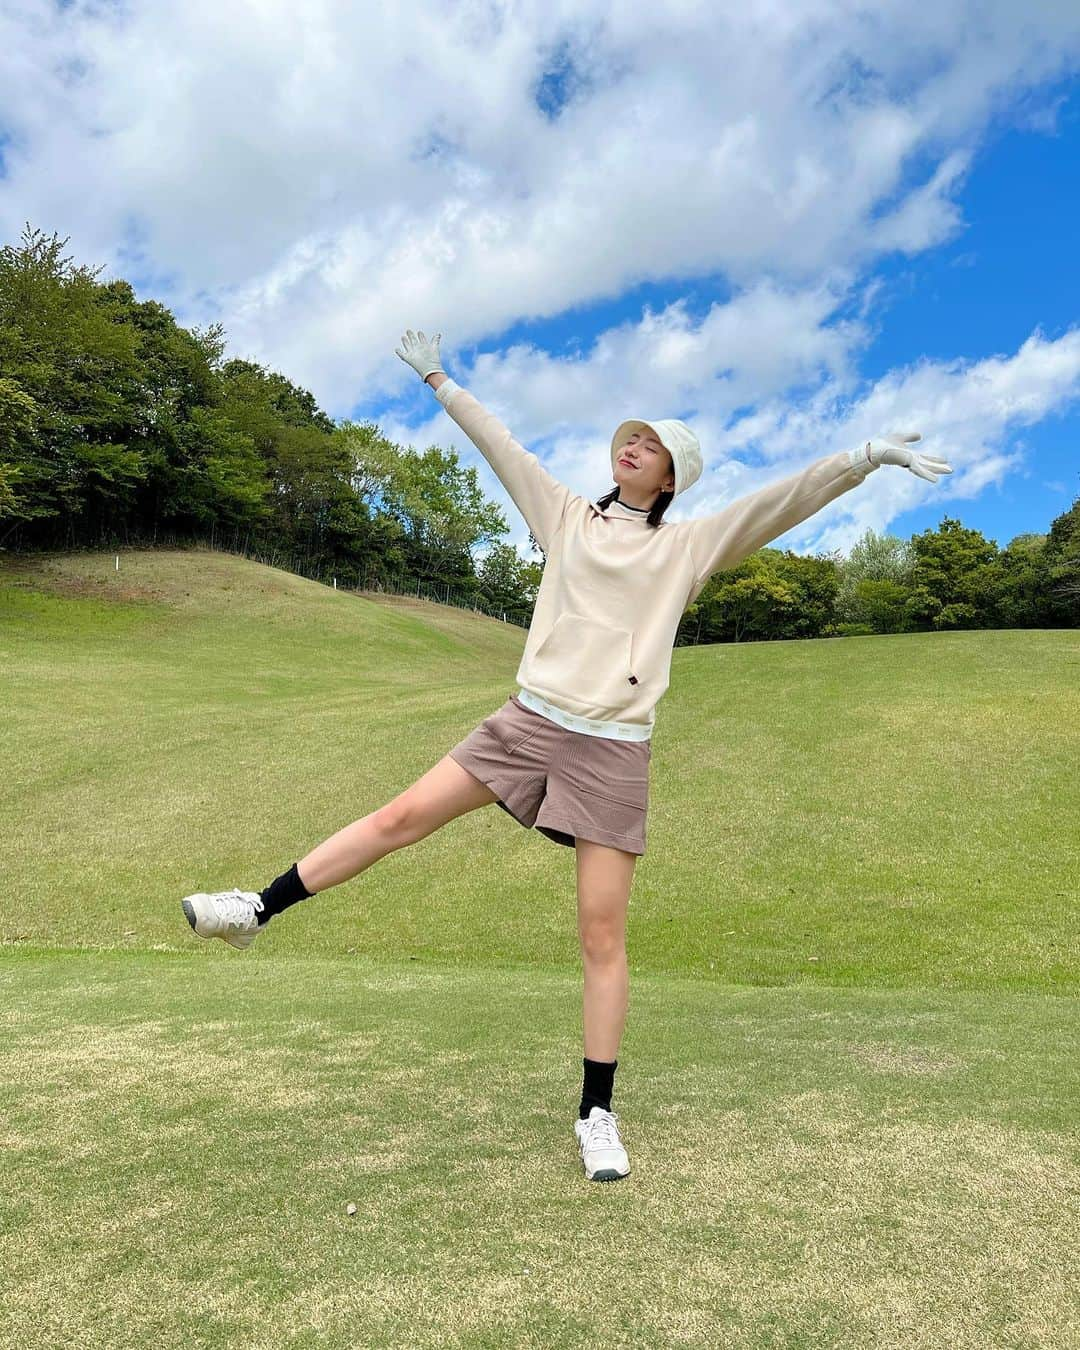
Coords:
643,468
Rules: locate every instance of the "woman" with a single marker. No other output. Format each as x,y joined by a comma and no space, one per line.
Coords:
569,753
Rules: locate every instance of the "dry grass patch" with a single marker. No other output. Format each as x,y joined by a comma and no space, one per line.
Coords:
181,1140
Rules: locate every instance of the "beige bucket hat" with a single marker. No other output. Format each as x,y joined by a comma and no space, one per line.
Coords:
676,438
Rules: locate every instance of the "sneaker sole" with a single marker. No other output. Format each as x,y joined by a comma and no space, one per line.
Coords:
608,1174
189,914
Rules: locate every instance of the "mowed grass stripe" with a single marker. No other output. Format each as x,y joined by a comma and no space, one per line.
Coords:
810,1167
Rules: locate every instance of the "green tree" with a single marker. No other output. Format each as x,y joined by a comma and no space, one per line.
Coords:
304,463
874,583
1020,599
504,582
813,582
18,466
877,606
957,577
61,347
201,471
774,594
1060,571
750,601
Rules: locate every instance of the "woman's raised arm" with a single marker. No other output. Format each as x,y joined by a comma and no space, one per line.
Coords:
723,540
537,494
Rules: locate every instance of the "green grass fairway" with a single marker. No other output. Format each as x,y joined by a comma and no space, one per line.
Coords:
850,1080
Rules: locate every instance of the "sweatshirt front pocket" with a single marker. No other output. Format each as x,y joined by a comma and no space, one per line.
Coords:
588,658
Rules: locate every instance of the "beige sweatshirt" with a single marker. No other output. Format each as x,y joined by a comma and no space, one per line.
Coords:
614,589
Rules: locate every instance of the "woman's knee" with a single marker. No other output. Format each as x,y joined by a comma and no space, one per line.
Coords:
602,939
395,821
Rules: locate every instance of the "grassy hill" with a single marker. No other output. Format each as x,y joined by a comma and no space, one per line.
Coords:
890,811
849,1079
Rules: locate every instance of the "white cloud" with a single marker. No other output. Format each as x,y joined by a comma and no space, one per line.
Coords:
965,410
322,177
325,176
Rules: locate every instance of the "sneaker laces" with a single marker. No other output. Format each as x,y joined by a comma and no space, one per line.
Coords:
603,1132
236,909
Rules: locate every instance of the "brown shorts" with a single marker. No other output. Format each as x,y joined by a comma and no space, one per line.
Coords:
568,784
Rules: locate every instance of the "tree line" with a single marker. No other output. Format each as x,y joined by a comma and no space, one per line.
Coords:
120,426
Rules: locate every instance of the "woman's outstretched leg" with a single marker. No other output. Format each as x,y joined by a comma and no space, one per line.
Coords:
443,793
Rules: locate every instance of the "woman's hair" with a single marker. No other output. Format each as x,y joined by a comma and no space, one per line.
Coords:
656,512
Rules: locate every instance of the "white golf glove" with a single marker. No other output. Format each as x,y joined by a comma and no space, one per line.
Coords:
891,449
420,353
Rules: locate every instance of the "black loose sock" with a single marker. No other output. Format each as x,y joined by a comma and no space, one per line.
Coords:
282,892
599,1081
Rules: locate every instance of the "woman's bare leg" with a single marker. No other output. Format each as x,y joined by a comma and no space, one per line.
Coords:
445,791
604,876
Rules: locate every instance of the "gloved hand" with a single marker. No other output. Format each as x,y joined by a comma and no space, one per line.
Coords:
420,353
890,449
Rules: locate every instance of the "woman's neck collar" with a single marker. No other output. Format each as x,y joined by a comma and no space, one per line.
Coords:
619,510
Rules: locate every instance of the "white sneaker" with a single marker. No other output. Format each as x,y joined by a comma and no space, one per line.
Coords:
230,915
601,1148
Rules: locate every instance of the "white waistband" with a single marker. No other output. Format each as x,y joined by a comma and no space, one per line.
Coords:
615,731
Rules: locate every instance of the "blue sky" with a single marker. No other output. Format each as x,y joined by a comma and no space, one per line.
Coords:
1014,269
794,227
